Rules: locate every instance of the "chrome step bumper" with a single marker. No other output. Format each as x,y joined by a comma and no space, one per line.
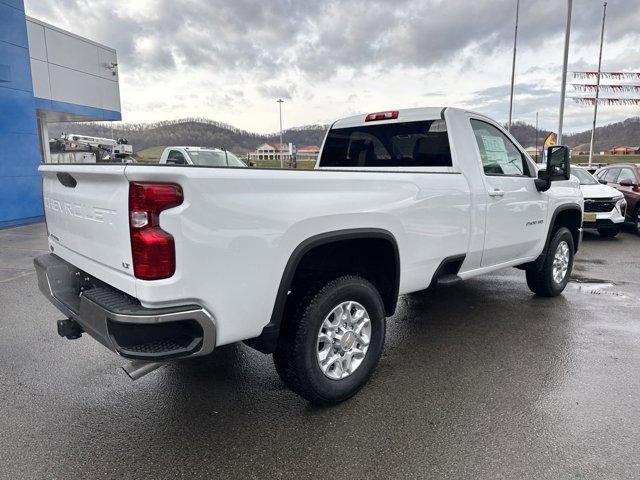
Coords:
118,321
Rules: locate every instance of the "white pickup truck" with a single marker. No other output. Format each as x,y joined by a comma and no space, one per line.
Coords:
161,262
200,156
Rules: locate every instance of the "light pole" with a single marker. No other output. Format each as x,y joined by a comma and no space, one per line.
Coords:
513,65
564,71
280,102
595,104
536,137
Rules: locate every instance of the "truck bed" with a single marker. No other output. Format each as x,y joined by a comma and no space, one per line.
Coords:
237,228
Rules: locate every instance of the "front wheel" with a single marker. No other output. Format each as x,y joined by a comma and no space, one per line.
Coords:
332,343
552,277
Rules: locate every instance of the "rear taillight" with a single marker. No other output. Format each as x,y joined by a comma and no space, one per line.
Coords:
153,249
372,117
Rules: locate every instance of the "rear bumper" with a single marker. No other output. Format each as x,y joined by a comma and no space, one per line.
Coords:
118,321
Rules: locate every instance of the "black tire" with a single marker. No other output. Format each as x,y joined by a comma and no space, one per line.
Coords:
540,280
295,357
608,232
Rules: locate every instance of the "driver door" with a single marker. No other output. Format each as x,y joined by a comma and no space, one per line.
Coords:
516,210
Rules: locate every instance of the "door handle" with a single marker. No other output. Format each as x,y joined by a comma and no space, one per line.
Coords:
496,193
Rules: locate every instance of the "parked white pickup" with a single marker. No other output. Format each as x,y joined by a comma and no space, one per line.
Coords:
201,156
166,261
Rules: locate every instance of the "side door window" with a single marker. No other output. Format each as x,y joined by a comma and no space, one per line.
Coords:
611,175
498,154
627,174
176,158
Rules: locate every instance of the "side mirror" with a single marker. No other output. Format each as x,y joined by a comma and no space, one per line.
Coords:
558,163
602,181
558,168
626,183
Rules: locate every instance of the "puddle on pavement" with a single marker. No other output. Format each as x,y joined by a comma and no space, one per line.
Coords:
592,286
590,261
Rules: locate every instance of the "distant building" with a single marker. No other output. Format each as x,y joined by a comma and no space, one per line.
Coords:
622,151
284,151
271,151
309,152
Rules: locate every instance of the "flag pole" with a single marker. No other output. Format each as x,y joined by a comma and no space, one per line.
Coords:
513,66
595,103
564,71
536,137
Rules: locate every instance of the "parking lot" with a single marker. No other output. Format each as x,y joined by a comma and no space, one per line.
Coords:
481,380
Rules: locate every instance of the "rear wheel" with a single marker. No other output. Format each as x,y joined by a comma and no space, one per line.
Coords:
550,279
332,343
609,232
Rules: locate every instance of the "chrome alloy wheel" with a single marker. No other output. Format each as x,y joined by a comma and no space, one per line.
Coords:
561,262
343,340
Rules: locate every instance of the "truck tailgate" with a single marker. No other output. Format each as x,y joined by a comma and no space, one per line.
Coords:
86,208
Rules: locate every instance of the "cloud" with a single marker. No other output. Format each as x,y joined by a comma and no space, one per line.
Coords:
277,91
320,38
313,50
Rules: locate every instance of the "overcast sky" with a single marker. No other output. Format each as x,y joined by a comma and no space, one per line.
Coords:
229,60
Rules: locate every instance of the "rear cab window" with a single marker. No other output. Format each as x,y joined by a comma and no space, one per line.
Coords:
400,144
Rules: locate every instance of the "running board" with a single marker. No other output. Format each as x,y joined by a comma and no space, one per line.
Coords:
448,280
447,272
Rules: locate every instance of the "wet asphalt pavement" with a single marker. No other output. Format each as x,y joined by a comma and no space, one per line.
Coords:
481,380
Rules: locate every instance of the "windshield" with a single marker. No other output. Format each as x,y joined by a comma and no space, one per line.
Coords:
583,176
215,158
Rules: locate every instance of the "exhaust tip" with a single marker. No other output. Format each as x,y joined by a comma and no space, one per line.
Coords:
138,369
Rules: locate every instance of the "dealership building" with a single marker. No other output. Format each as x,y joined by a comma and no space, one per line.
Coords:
46,75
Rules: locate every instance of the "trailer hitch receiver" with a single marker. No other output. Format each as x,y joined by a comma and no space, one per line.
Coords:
69,329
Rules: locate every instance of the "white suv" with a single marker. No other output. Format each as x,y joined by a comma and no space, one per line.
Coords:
604,206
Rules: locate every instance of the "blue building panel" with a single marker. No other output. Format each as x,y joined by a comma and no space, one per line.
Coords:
19,153
21,200
17,111
18,4
13,28
21,193
15,71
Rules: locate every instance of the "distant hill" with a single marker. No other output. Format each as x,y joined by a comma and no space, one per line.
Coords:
197,132
625,133
203,132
